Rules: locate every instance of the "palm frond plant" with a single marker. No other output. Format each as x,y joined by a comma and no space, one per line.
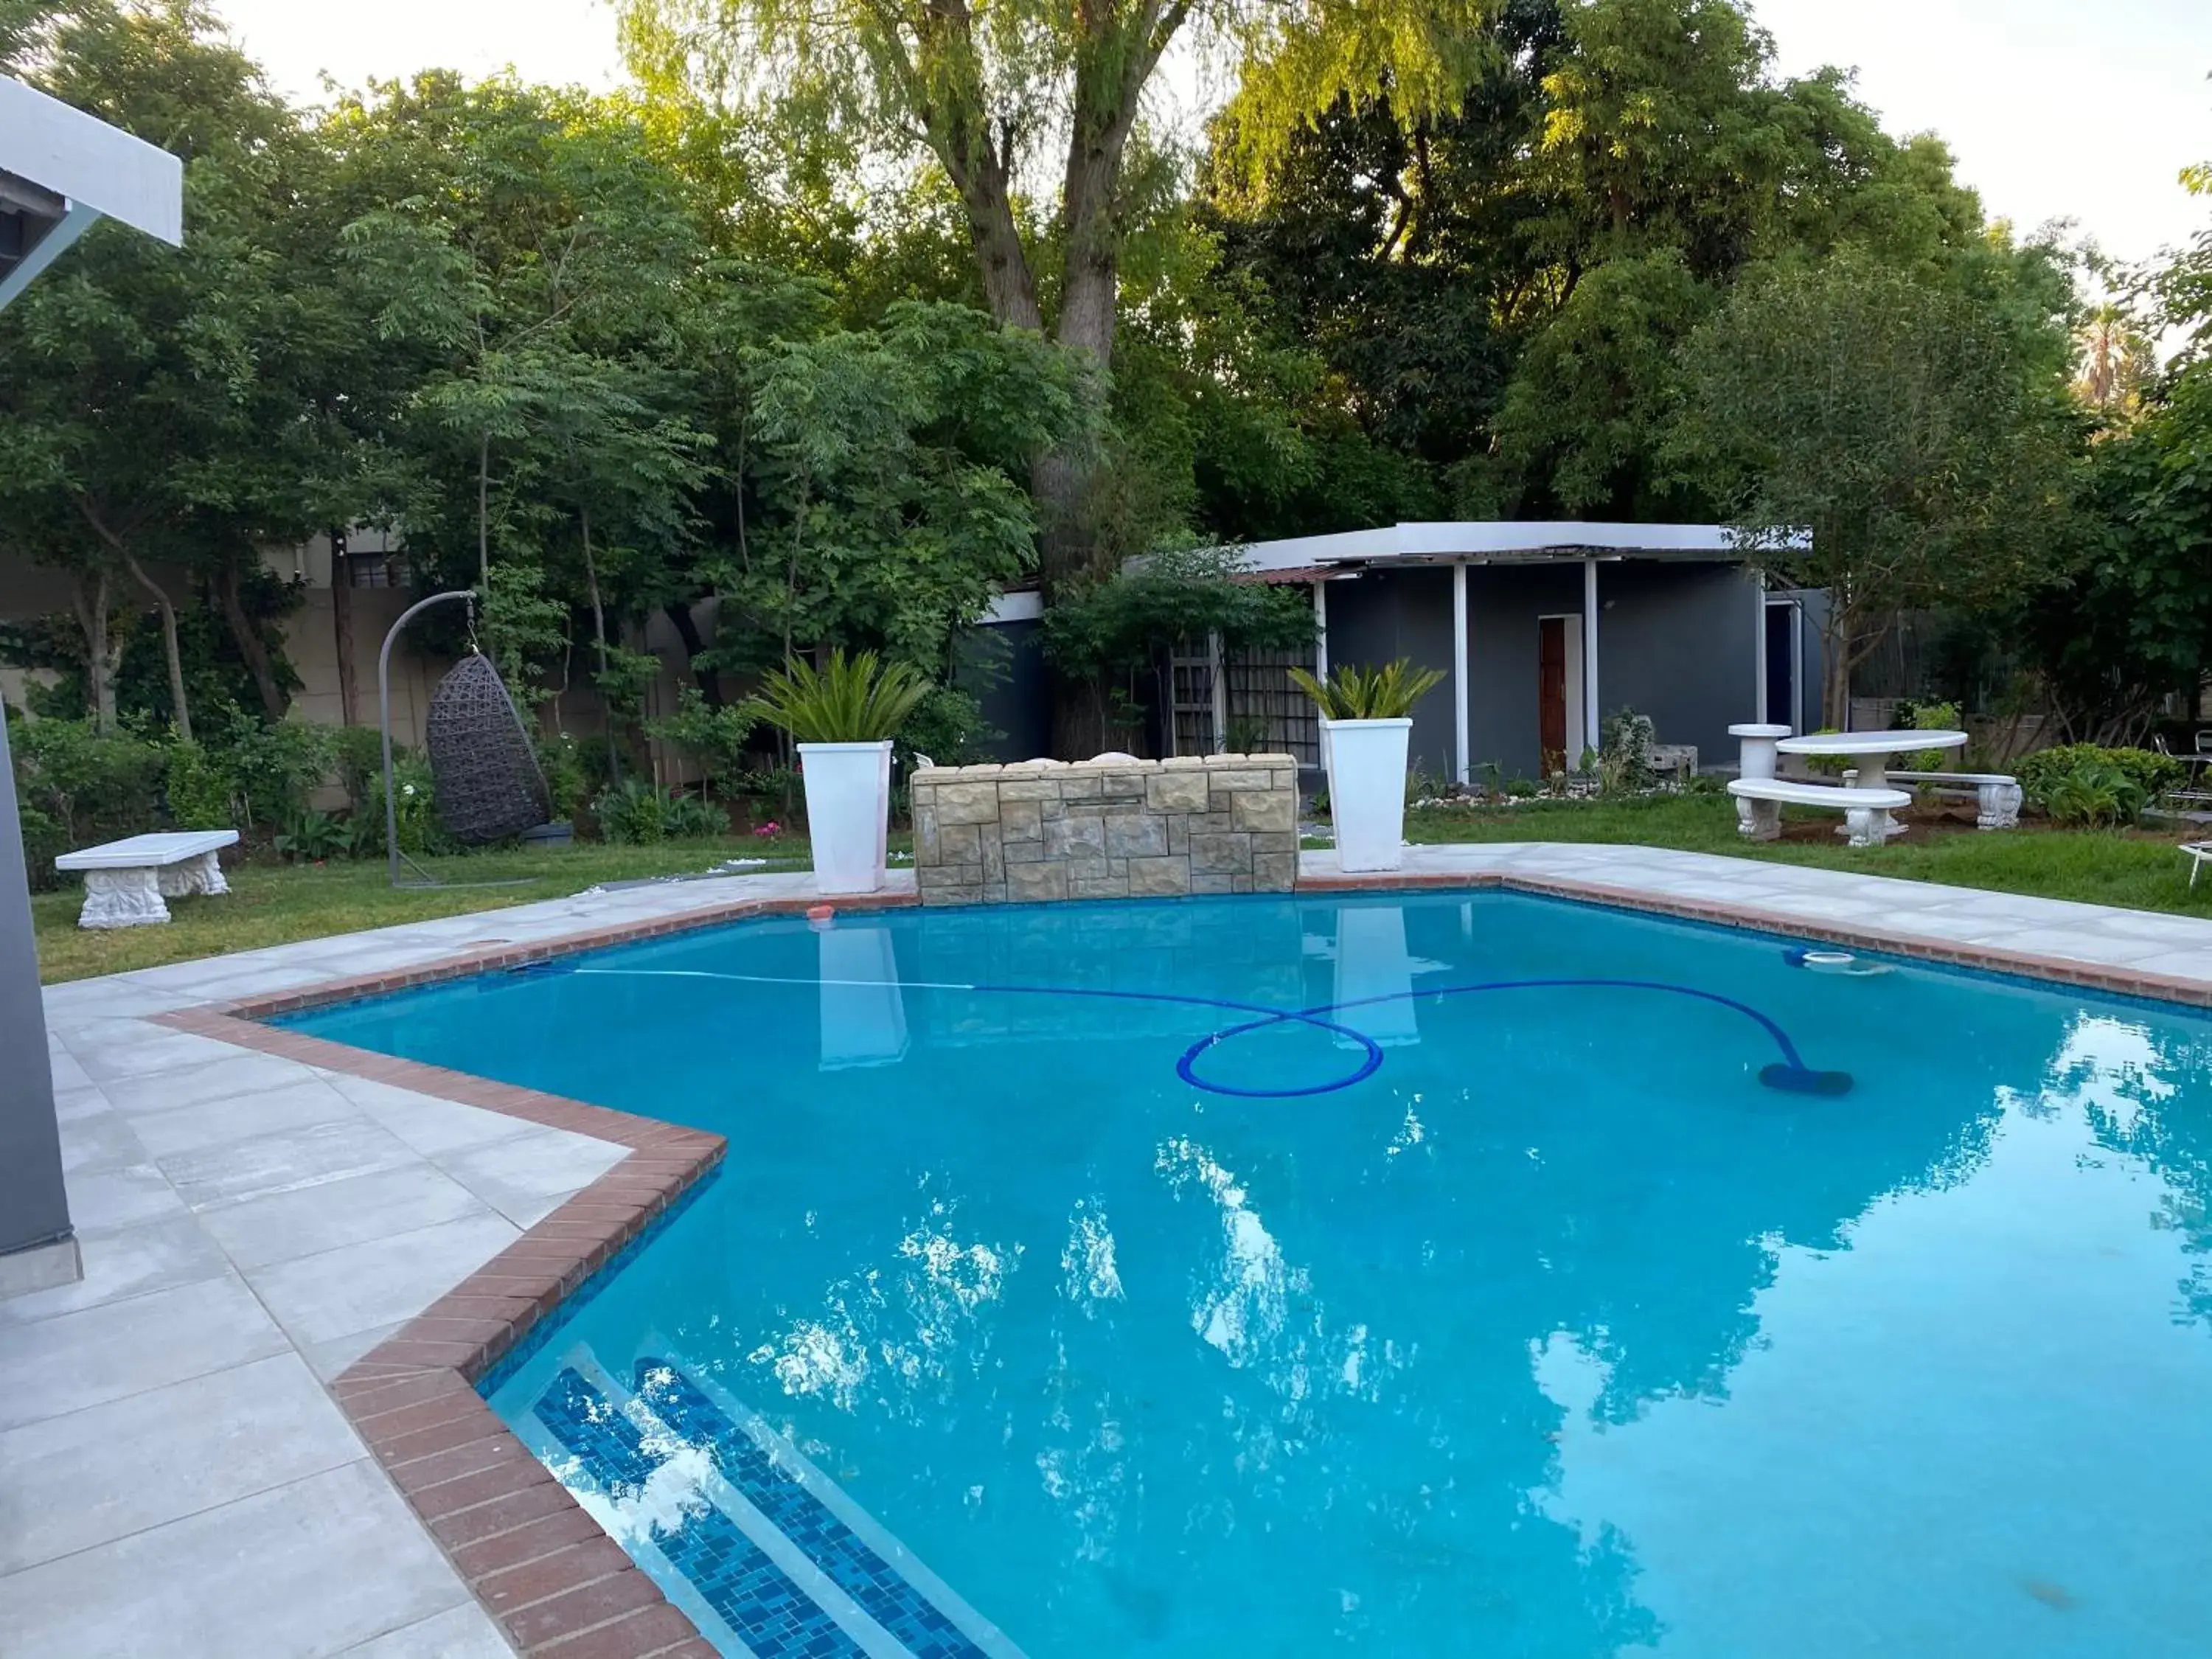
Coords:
1352,693
855,699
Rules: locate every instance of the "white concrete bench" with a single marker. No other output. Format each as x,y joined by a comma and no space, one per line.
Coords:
1996,795
126,881
1760,801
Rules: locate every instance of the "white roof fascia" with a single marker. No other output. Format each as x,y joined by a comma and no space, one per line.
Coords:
1024,605
1497,538
93,164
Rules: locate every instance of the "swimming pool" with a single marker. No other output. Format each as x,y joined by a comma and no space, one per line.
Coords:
1512,1278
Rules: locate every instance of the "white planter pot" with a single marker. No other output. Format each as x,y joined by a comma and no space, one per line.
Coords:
1366,765
848,806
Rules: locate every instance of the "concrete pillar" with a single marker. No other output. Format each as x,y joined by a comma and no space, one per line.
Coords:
1460,687
38,1248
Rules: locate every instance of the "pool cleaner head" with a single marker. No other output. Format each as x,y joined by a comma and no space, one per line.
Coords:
1804,1080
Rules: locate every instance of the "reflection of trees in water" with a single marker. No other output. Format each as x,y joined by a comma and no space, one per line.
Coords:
2144,1087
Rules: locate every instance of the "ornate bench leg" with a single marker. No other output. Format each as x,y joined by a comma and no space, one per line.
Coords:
1997,806
1866,826
122,899
202,874
1759,820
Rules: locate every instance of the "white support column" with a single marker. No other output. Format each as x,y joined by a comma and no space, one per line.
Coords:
1761,716
1321,631
1459,688
1590,725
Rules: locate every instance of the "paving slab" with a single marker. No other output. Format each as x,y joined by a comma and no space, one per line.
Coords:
313,1567
91,1476
50,1366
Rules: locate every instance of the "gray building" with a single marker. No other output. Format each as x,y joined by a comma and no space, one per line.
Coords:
1543,631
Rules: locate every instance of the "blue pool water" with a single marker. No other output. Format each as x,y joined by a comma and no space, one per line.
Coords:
1471,1312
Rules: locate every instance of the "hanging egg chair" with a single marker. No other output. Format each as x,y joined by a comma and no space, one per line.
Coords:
486,784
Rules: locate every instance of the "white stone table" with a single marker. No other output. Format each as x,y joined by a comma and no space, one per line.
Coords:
126,882
1872,750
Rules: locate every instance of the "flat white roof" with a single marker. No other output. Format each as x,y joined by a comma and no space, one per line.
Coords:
1501,539
93,164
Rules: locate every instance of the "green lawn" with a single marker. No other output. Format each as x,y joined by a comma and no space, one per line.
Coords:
2137,870
272,903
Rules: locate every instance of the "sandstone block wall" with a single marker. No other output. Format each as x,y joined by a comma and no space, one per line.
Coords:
1119,828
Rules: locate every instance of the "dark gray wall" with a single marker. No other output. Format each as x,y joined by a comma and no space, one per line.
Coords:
1680,642
1389,614
1503,605
33,1209
1003,667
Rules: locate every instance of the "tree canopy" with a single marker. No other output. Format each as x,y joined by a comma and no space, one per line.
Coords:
844,318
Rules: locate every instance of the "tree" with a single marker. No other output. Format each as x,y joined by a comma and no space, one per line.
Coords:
2116,359
988,93
163,385
1878,436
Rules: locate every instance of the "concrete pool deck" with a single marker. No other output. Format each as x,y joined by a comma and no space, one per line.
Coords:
181,1471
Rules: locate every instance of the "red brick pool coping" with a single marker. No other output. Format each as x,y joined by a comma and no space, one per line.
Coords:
540,1565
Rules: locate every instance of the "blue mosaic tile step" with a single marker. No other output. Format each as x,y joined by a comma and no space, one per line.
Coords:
802,1517
772,1615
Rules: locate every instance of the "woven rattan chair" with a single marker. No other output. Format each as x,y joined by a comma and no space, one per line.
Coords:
483,768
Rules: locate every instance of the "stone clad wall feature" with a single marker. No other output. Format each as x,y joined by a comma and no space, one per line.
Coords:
1105,829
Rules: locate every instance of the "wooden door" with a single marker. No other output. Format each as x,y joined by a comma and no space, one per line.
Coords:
1551,692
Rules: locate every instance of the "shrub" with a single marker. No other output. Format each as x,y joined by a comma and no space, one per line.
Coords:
312,838
421,835
2150,773
93,787
632,813
357,753
567,780
948,727
197,787
1624,763
1928,717
713,739
687,817
2094,796
275,768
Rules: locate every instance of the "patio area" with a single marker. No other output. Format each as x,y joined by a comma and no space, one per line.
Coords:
176,1476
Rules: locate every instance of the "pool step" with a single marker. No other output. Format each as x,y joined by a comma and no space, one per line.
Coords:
766,1554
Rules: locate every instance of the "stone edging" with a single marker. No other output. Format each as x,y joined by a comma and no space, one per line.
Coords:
2089,975
558,1585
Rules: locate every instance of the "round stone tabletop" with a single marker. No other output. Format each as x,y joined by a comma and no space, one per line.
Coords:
1870,743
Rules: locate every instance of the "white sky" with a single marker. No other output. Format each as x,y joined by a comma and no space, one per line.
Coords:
2056,108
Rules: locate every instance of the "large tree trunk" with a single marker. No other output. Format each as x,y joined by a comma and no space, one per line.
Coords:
342,624
251,646
103,654
180,711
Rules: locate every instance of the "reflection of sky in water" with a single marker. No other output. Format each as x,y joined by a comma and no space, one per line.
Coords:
1558,1338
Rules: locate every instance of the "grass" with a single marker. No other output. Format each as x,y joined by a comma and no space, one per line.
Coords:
274,904
2135,870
